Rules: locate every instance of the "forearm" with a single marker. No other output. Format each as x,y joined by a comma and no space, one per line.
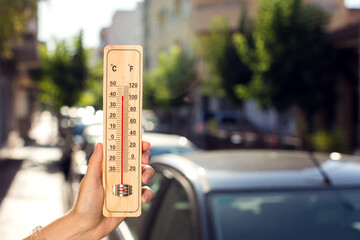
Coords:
67,227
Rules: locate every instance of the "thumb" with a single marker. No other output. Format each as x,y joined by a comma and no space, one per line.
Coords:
94,169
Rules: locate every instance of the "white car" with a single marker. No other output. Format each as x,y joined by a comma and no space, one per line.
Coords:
168,144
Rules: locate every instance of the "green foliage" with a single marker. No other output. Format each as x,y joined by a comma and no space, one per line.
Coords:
224,65
213,51
93,93
333,141
168,84
13,18
63,74
291,58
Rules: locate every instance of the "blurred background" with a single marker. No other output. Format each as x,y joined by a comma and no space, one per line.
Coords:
218,74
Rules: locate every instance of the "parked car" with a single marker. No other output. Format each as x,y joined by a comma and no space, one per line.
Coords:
228,130
250,194
160,144
168,143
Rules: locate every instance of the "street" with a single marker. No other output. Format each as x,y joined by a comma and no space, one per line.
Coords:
31,189
251,109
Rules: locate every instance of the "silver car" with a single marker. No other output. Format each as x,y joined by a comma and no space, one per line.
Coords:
249,194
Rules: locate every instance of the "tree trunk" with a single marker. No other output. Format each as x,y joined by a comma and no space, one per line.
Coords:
302,127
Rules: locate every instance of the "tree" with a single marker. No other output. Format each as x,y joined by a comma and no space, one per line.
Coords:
14,15
291,58
166,87
93,92
63,74
226,68
292,63
168,84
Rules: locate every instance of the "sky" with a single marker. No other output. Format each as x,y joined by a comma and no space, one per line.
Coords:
63,19
352,3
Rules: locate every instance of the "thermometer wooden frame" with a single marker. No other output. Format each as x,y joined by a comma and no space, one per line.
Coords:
122,107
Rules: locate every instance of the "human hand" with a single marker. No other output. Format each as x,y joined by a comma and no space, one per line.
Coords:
90,200
86,218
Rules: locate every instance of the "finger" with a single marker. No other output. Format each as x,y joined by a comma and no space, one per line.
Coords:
145,146
147,174
95,162
146,156
146,194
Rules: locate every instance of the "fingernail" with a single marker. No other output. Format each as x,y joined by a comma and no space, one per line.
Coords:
98,146
146,178
145,198
146,144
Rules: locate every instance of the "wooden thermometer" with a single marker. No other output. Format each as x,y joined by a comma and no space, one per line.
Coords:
122,130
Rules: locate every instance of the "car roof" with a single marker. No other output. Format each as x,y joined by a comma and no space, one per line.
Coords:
229,170
166,140
94,129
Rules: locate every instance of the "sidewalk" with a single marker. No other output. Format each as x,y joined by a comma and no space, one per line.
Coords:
31,189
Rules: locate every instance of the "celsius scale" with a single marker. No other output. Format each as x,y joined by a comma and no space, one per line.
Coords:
122,107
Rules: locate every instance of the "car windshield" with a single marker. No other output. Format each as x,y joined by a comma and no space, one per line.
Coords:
311,215
170,150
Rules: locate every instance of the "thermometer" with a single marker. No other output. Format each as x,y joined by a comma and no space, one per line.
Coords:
122,107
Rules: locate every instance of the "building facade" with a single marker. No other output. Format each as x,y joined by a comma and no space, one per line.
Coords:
166,23
126,29
18,94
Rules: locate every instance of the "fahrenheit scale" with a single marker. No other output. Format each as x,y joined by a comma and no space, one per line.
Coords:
122,95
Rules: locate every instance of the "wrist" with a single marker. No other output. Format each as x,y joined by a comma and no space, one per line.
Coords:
69,226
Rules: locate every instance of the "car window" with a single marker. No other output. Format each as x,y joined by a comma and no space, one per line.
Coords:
136,225
295,215
170,150
173,220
